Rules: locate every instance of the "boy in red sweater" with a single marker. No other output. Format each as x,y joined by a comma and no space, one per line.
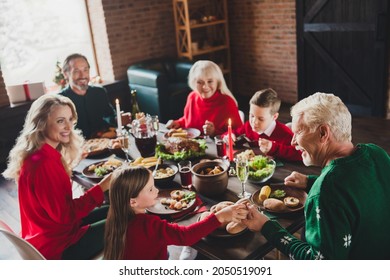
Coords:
263,128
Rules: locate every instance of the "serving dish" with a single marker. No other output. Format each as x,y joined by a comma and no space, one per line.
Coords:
181,153
191,133
96,146
290,191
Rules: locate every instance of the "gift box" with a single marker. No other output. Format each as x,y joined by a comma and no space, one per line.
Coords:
25,92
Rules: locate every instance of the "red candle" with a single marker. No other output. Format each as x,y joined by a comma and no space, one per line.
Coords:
230,140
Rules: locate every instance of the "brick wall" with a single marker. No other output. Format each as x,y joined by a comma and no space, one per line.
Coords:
263,47
137,30
262,39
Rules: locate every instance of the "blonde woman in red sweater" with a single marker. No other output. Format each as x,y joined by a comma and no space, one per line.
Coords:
133,234
210,105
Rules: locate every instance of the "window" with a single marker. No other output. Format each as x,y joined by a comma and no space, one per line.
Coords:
34,35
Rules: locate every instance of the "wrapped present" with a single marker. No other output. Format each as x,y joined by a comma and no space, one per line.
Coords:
25,92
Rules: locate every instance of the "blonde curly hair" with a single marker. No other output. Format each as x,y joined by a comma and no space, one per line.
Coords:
32,136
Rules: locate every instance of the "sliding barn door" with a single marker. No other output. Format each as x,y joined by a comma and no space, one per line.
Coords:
342,49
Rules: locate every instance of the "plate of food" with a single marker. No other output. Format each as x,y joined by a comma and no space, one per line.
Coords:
177,148
172,201
279,199
96,146
183,133
99,169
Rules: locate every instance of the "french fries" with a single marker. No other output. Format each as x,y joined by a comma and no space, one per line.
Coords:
146,162
179,132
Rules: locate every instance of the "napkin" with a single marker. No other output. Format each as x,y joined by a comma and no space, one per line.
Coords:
197,202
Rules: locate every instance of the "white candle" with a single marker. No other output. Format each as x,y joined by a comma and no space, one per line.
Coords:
118,117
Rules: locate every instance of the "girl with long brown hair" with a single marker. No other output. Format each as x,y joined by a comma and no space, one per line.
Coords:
133,234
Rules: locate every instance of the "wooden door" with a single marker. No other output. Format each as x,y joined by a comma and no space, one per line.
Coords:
342,49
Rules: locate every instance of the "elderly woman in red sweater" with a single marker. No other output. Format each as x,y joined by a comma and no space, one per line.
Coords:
210,104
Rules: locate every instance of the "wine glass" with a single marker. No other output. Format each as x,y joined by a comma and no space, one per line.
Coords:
125,145
242,171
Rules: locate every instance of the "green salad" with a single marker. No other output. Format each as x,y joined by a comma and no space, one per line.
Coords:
260,168
181,155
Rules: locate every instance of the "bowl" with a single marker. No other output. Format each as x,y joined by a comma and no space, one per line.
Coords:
262,174
165,181
210,185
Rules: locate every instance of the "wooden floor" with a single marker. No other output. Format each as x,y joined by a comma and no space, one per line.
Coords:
364,130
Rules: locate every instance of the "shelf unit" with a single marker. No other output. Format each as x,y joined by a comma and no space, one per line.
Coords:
202,32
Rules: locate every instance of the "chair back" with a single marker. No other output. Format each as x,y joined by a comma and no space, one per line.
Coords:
25,249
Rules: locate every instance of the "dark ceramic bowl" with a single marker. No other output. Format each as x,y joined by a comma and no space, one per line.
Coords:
166,181
210,185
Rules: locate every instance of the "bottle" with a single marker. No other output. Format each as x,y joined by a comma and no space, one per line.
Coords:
134,104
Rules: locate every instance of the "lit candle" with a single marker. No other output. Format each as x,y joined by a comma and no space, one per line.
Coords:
230,140
118,117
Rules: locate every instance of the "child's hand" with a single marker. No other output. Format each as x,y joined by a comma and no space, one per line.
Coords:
232,213
265,145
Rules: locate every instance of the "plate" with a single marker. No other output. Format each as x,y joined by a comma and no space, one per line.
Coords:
191,133
91,174
96,146
290,191
160,209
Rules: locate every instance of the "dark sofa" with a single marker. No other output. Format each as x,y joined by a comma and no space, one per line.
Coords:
161,86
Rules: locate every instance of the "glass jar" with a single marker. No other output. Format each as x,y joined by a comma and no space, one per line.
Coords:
145,136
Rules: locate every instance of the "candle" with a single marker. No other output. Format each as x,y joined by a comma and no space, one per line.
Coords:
118,117
230,140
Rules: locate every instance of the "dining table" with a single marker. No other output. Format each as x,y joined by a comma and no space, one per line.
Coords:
246,245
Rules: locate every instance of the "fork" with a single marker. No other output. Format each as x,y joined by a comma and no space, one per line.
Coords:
192,213
155,168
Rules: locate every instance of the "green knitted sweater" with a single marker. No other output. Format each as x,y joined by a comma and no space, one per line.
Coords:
347,211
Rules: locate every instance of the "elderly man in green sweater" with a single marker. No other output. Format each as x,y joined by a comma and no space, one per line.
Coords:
347,210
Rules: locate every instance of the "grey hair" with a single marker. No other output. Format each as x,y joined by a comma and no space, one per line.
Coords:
207,68
325,108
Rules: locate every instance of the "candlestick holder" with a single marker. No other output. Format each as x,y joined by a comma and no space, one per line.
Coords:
232,169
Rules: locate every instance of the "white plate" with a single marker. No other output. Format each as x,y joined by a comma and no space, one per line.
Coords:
191,133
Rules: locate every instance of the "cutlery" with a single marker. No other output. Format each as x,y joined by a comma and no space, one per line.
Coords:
155,168
192,213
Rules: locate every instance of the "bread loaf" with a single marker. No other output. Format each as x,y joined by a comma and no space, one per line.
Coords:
274,204
234,228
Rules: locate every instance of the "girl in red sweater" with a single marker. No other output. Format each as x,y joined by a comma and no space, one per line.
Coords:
210,104
263,128
133,234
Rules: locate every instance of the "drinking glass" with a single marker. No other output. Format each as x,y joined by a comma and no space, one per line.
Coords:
185,174
242,171
221,146
125,145
155,122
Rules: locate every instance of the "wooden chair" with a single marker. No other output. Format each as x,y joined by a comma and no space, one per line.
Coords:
25,249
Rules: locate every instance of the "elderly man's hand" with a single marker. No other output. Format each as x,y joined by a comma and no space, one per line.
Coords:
255,220
296,179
